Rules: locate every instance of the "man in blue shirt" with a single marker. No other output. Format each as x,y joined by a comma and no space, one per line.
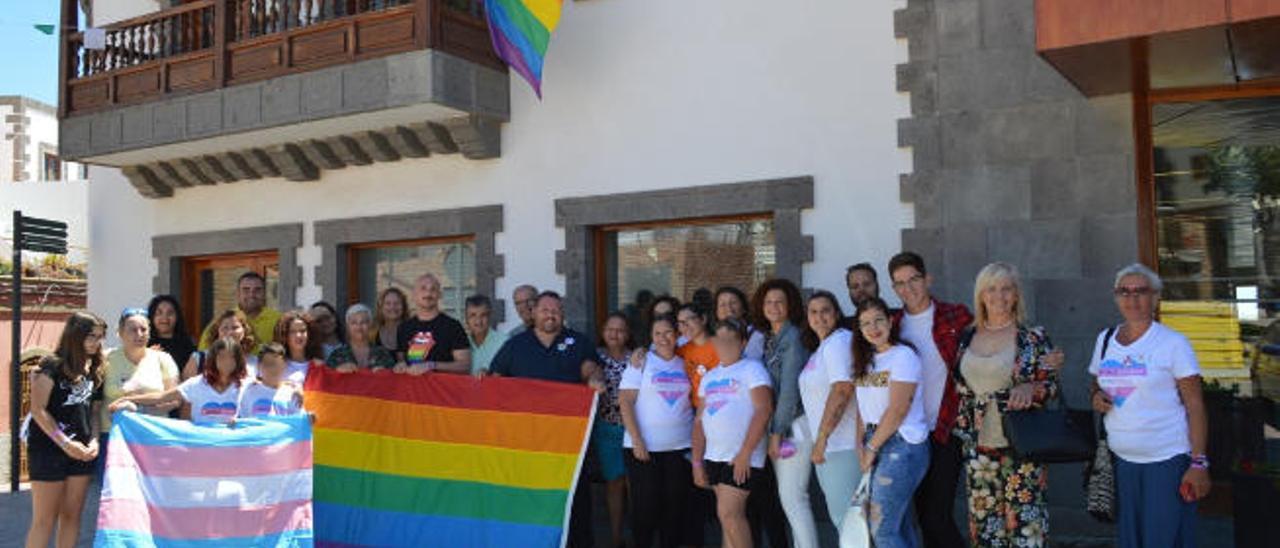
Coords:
549,351
552,352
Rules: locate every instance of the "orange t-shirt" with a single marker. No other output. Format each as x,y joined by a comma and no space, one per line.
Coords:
698,359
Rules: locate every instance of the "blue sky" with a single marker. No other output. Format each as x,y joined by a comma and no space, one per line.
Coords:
29,65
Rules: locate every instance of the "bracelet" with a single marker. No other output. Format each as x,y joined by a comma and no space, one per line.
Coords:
1199,462
696,464
61,438
868,447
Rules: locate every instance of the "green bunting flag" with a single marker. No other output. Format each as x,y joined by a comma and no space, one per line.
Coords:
47,29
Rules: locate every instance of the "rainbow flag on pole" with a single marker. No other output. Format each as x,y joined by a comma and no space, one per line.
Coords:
445,460
170,483
520,31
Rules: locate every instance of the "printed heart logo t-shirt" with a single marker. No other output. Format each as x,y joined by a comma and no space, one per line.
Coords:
664,413
209,405
726,395
1148,422
260,400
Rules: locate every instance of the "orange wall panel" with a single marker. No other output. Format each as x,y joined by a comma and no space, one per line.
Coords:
1066,23
1246,10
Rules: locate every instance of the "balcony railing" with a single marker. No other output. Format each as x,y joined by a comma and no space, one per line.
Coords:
208,44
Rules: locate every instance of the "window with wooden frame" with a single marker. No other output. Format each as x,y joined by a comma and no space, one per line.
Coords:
209,284
1209,208
374,266
687,259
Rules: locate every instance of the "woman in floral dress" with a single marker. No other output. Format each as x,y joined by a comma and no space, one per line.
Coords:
1004,366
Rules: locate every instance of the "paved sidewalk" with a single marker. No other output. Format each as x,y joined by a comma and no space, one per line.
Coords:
15,515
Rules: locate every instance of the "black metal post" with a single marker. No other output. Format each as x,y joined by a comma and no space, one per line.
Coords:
15,379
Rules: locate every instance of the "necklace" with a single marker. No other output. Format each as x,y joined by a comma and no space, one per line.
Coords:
1003,327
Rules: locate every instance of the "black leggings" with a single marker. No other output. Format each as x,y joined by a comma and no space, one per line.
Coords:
659,490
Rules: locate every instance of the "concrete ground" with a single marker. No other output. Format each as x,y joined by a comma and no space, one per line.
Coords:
15,515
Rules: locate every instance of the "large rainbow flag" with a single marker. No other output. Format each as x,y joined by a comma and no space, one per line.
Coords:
520,31
170,483
444,460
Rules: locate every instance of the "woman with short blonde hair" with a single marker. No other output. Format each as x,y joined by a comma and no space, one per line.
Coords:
1004,365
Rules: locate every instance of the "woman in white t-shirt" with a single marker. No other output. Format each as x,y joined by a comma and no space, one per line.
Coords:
830,426
1147,385
729,430
888,377
658,417
213,396
302,351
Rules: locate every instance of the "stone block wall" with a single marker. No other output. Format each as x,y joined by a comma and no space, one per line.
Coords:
1012,163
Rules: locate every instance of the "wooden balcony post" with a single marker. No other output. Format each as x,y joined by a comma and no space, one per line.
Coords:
220,27
426,16
67,55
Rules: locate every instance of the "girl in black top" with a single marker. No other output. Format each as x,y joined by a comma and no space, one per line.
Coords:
168,330
63,444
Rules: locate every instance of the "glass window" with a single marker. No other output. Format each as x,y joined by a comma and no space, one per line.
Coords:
399,265
683,260
210,284
52,167
1217,197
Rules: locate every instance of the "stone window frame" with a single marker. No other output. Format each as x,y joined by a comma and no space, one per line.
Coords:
580,217
483,223
41,174
171,249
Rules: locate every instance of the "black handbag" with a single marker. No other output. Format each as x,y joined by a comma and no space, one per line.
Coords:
1051,435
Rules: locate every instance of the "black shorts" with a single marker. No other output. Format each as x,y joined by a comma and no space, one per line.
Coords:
721,473
49,463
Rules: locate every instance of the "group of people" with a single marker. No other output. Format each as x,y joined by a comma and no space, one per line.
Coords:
726,408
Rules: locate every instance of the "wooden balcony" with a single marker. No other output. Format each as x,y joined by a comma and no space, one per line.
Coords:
316,80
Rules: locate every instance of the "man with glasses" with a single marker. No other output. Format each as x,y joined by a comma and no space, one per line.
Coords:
251,298
934,328
524,297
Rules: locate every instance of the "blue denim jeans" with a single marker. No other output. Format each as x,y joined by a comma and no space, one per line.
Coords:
898,470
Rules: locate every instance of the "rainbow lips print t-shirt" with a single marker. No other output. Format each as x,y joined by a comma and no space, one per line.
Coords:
431,341
420,347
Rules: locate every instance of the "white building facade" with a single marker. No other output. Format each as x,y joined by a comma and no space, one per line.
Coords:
689,99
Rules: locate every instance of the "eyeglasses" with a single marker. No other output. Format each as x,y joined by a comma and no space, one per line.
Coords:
1129,292
913,280
877,322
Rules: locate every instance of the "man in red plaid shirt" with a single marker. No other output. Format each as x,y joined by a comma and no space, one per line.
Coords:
934,328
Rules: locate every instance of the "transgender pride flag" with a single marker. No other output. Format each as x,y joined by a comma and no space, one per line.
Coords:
171,483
